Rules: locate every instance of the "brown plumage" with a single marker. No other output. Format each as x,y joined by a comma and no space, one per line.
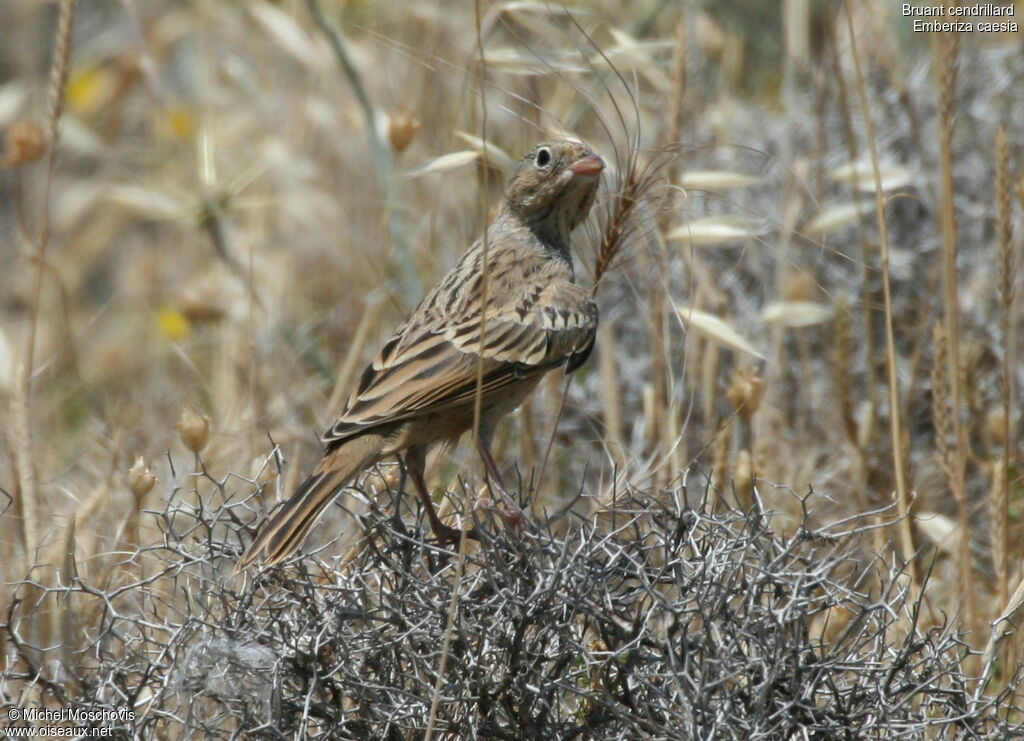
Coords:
421,387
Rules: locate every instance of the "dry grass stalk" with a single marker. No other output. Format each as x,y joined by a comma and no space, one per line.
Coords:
460,562
673,442
64,615
674,131
22,454
620,226
1002,628
708,383
907,549
842,358
659,343
1007,276
866,299
941,413
999,530
671,137
21,398
721,461
611,403
58,81
661,421
744,477
944,54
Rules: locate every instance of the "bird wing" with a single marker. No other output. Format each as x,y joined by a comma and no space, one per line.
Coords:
432,366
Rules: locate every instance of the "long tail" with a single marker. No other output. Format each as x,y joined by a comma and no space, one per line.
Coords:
285,531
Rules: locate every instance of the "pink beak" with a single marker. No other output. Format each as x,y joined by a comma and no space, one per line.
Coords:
589,164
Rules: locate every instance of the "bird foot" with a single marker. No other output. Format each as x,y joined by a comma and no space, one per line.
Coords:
505,509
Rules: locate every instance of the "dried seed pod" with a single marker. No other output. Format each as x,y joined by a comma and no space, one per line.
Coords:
995,425
194,429
402,128
745,391
140,479
24,142
203,301
799,286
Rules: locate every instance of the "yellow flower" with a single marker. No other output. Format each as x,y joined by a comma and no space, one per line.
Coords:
89,88
173,324
176,122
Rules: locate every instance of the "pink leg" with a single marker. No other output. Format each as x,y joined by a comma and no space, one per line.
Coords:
483,444
502,505
415,459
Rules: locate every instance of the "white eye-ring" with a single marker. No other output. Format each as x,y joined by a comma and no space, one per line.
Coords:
543,158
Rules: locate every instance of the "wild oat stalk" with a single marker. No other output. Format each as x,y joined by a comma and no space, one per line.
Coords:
621,224
615,231
664,415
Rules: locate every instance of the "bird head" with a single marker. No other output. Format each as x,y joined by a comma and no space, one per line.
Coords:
554,186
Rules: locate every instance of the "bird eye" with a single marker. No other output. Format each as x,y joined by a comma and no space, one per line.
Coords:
543,158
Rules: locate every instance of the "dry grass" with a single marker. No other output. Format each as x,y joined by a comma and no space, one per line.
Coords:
229,209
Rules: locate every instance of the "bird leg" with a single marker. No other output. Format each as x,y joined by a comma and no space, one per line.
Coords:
397,516
502,505
445,534
484,446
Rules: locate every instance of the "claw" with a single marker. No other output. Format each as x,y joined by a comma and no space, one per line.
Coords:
505,509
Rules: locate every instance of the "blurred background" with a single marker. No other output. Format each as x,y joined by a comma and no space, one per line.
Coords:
246,199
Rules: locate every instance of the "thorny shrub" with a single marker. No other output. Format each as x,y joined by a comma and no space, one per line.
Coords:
659,618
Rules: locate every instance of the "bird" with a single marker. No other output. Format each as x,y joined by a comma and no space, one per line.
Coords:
508,312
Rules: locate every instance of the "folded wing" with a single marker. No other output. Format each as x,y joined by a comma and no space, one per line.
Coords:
427,367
